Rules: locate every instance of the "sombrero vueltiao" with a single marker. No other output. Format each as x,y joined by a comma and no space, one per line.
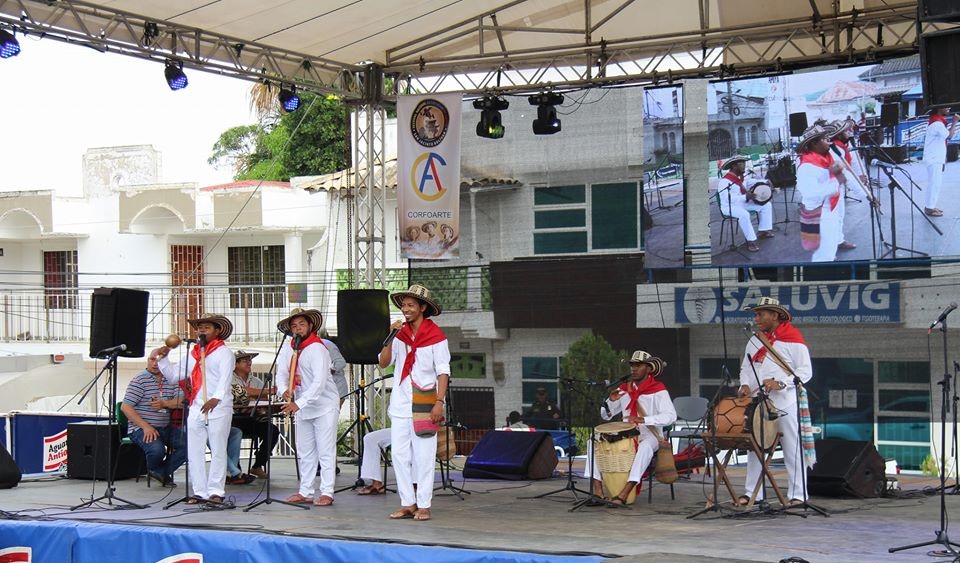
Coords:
812,133
243,355
838,127
733,160
420,293
313,316
772,304
655,363
222,323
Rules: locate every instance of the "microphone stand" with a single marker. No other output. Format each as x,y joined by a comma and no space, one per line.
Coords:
269,499
893,185
184,409
362,424
593,499
445,481
733,232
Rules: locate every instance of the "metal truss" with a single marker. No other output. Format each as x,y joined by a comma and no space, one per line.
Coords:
854,36
115,31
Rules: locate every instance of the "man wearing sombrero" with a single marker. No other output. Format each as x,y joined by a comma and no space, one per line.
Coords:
422,357
209,370
253,388
773,371
737,201
935,155
820,182
305,382
644,401
839,136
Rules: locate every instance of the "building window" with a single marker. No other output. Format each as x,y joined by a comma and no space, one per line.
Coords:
754,135
741,137
903,412
468,366
663,141
540,372
60,279
578,219
673,142
256,275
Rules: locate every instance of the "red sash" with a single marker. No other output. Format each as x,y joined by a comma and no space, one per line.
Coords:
427,335
196,377
846,150
295,360
937,117
736,180
785,332
648,386
822,161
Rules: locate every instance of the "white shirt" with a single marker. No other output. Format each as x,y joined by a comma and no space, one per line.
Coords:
337,364
815,185
795,355
727,189
432,362
935,144
219,376
317,393
657,406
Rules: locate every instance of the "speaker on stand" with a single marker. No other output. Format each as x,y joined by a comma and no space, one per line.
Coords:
363,321
118,316
798,124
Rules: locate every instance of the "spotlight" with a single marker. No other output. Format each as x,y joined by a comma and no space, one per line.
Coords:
490,124
546,122
176,79
289,99
9,47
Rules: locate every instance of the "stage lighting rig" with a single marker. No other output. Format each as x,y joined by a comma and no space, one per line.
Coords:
547,122
289,99
9,46
176,79
490,125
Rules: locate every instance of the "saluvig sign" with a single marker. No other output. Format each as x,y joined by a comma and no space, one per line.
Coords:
809,304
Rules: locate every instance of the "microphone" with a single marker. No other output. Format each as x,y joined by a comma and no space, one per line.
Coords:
386,341
879,163
202,339
942,317
748,327
120,348
296,342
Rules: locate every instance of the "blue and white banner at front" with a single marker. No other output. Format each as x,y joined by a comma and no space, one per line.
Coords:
428,176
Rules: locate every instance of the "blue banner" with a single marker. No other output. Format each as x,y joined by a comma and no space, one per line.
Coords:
877,302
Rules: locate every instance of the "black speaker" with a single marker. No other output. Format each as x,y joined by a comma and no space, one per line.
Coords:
512,455
940,68
10,474
847,467
118,316
798,124
889,115
363,322
88,445
939,11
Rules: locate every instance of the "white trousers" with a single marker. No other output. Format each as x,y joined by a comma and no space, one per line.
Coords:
792,458
934,183
646,449
317,443
414,461
372,444
830,235
742,214
216,431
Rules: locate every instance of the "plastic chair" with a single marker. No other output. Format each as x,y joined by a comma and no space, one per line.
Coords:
691,414
724,225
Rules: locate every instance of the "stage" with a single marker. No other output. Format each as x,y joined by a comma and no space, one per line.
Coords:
490,524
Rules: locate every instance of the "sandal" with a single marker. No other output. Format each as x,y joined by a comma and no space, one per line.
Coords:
195,499
742,500
324,500
404,512
795,502
618,500
933,211
297,498
371,490
215,499
422,514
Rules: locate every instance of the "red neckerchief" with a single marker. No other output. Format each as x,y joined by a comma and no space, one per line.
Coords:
736,180
937,117
196,378
427,335
648,386
295,375
785,332
846,150
822,161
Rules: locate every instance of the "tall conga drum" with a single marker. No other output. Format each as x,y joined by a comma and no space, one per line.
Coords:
614,450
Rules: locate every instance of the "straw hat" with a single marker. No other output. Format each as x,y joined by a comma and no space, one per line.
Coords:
313,316
772,304
655,363
842,127
733,160
222,323
812,133
421,294
244,355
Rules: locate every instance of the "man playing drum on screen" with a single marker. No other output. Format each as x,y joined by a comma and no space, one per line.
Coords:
645,403
771,368
737,200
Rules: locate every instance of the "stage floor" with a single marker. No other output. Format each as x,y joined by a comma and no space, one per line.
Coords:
492,517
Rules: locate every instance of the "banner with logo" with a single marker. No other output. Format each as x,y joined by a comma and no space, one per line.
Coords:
428,176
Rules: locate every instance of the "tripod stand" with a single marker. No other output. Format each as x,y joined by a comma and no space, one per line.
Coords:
445,481
362,424
892,246
108,495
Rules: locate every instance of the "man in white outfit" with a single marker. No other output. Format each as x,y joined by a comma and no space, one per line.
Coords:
935,156
839,135
305,383
820,182
373,443
737,201
422,358
645,402
773,320
209,370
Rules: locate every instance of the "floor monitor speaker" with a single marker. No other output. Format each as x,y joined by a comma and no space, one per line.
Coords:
363,322
847,468
118,316
93,448
512,455
10,474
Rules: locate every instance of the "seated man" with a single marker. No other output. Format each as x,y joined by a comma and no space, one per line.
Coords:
146,404
246,388
737,201
645,402
373,442
543,413
513,421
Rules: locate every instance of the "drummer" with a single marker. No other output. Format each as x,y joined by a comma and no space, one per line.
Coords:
737,201
645,402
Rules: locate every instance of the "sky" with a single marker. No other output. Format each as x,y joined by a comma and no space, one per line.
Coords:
58,100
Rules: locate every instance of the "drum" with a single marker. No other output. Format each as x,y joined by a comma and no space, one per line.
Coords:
614,451
744,417
761,193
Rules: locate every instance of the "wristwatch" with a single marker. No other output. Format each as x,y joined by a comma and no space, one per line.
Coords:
781,385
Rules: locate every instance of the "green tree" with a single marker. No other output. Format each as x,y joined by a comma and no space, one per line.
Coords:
591,360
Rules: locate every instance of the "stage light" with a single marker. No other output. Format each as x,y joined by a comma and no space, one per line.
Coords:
9,47
547,122
289,99
176,79
490,125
